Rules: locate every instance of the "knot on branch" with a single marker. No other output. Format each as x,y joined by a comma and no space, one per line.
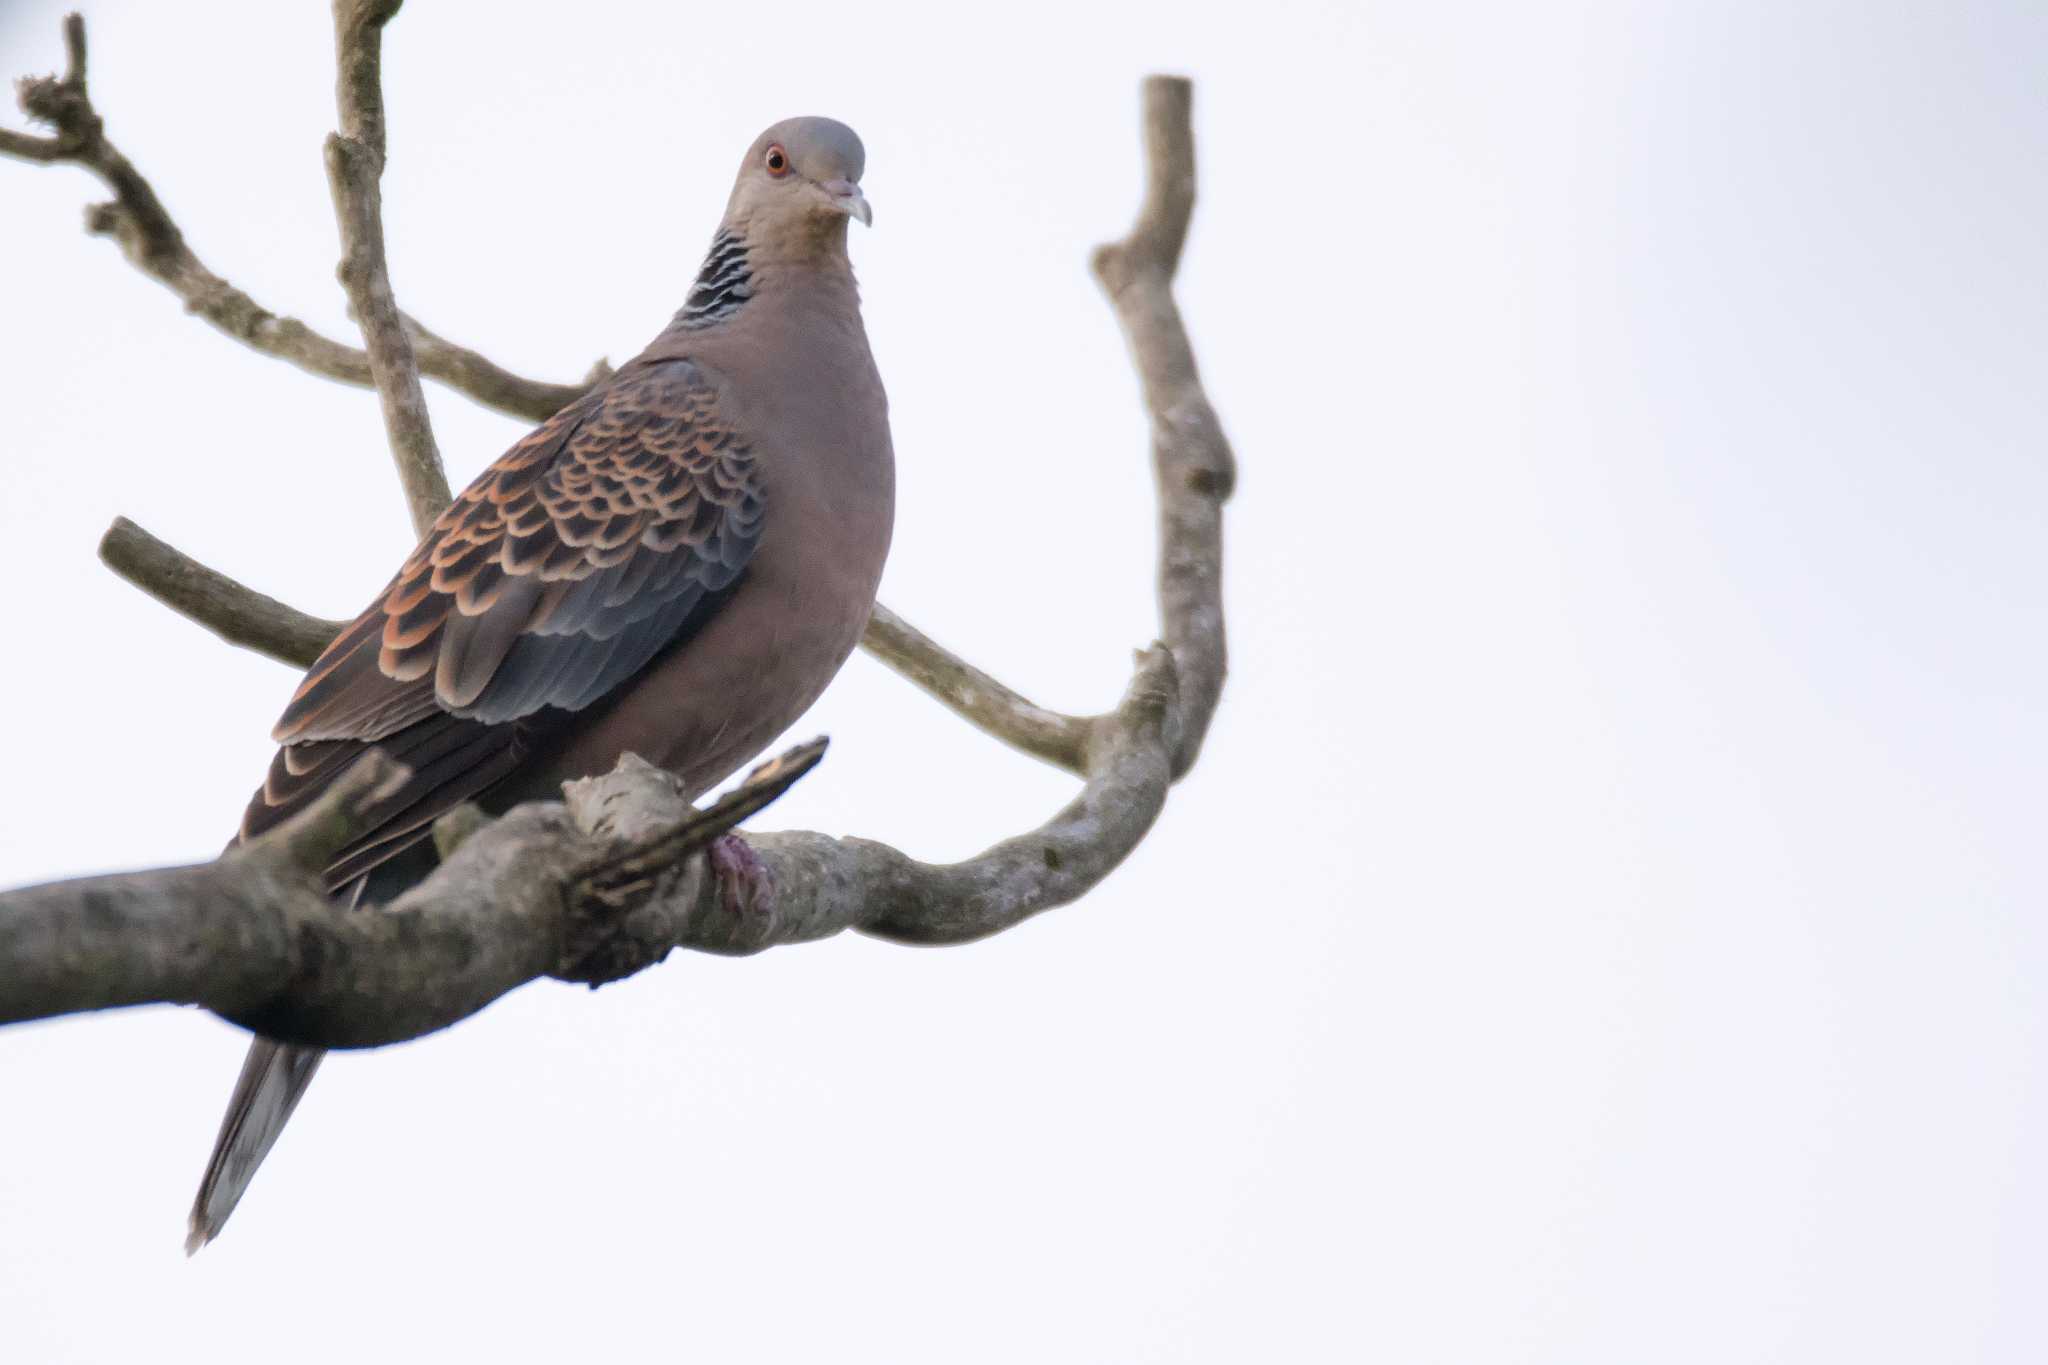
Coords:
309,841
458,827
1155,685
353,157
1151,705
108,220
354,171
1191,431
1115,271
61,102
153,248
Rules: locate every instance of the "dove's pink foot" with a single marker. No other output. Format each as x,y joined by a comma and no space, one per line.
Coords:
743,880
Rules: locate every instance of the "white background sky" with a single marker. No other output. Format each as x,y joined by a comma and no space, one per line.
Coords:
1606,924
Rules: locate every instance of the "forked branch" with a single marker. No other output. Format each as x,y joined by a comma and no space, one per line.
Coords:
137,220
615,876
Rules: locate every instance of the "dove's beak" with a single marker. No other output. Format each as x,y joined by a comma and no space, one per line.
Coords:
847,198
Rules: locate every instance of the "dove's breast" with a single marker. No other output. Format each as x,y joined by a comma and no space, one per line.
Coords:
817,420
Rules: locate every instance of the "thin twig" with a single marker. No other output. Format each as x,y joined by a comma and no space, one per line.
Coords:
240,615
976,697
137,220
355,170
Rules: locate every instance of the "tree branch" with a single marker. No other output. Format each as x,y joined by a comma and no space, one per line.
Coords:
1194,464
610,880
137,220
241,616
252,937
355,171
974,696
1190,457
245,617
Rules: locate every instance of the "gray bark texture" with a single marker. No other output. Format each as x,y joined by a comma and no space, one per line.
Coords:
622,871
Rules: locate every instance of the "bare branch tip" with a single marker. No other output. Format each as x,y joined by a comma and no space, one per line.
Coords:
117,531
74,48
366,13
1156,680
455,828
375,777
311,838
785,769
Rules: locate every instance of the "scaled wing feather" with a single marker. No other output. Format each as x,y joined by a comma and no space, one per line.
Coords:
610,533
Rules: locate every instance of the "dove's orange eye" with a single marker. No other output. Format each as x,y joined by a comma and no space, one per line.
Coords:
777,159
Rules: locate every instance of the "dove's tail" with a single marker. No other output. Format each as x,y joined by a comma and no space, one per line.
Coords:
273,1077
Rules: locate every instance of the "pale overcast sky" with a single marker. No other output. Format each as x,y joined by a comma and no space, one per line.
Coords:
1605,926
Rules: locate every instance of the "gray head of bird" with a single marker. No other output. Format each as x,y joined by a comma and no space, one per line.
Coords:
800,182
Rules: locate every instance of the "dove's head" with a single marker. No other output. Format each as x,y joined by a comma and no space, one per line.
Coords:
801,181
